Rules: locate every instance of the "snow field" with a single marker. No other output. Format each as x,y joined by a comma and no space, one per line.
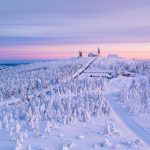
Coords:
43,108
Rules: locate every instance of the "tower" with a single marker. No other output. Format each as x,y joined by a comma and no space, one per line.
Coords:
98,51
80,53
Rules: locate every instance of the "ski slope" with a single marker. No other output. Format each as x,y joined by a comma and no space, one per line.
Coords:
126,117
80,71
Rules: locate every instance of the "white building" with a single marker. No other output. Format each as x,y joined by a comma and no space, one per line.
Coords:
112,56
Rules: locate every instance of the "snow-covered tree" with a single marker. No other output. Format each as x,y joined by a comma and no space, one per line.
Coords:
18,145
18,127
25,134
29,147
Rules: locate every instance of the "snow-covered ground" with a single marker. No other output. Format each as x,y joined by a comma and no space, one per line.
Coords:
76,104
125,115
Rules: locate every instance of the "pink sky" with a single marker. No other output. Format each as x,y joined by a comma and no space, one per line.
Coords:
56,29
127,50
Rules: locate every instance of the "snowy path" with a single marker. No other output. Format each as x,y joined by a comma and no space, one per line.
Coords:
79,72
5,142
10,102
112,96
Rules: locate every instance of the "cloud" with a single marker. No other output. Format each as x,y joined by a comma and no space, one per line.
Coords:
80,21
28,35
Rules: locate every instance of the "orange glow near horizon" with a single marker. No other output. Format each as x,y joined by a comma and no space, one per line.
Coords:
127,50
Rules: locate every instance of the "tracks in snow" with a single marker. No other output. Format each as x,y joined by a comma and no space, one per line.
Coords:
80,71
112,96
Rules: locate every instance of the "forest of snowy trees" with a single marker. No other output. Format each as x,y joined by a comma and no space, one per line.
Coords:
48,95
137,96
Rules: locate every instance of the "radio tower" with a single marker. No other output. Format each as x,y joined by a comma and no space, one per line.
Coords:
99,51
80,54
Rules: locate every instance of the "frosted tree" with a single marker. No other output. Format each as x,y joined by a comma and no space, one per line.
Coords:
1,97
32,122
107,142
11,117
136,97
25,134
18,127
18,146
123,94
6,121
29,147
21,136
37,131
0,124
87,116
36,121
42,108
48,127
10,131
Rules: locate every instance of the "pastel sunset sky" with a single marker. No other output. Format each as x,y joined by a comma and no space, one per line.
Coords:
44,29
